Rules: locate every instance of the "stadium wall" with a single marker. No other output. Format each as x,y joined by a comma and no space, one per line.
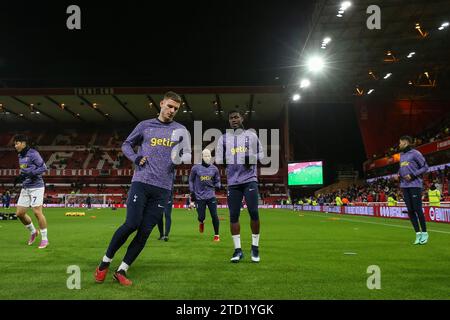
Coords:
382,123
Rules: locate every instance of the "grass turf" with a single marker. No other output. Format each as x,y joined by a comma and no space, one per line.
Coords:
302,257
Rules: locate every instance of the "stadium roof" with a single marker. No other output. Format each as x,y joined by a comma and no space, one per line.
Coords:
353,51
99,105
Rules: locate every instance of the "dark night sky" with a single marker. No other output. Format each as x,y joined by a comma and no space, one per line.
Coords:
139,43
132,43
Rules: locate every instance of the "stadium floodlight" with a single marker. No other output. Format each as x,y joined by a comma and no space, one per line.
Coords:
410,55
326,40
387,75
370,91
443,26
305,83
345,5
315,64
339,15
296,97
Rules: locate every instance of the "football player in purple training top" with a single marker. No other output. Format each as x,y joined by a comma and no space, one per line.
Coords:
162,143
239,150
32,194
412,168
203,181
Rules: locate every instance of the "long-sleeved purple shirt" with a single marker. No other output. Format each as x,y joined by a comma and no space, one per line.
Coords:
238,145
164,145
413,163
31,163
203,180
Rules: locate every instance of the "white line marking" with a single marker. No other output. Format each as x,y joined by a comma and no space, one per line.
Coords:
378,223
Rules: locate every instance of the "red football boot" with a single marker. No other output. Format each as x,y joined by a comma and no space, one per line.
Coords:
201,227
100,275
122,279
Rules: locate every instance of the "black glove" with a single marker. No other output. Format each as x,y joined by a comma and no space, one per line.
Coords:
137,160
193,198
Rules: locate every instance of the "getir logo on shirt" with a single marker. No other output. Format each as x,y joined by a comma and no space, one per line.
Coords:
240,149
404,164
161,142
205,178
23,166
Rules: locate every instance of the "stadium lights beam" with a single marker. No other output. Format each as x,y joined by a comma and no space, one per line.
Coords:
387,75
443,26
410,55
305,83
370,91
345,5
315,64
296,97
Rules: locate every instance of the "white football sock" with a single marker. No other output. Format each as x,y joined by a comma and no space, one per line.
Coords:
237,241
44,234
255,239
123,266
106,259
31,228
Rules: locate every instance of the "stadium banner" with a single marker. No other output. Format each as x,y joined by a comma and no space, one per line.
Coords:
75,172
432,214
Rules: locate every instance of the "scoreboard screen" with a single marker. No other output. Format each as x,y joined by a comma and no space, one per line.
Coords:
308,173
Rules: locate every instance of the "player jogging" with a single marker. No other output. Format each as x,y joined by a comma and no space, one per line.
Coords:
239,149
203,180
159,141
32,193
412,167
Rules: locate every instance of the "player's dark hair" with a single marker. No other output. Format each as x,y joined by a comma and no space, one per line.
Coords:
21,138
235,111
172,96
407,138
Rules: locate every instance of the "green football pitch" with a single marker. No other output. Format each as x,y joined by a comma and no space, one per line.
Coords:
303,256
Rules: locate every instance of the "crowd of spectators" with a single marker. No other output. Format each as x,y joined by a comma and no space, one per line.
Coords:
436,133
381,189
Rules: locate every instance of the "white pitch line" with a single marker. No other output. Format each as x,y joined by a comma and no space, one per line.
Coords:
381,224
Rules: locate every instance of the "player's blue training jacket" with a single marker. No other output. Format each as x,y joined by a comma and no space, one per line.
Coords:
238,145
203,180
31,164
413,163
157,141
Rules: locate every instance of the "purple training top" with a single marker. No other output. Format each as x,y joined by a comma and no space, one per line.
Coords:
31,163
164,144
203,180
238,145
413,163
